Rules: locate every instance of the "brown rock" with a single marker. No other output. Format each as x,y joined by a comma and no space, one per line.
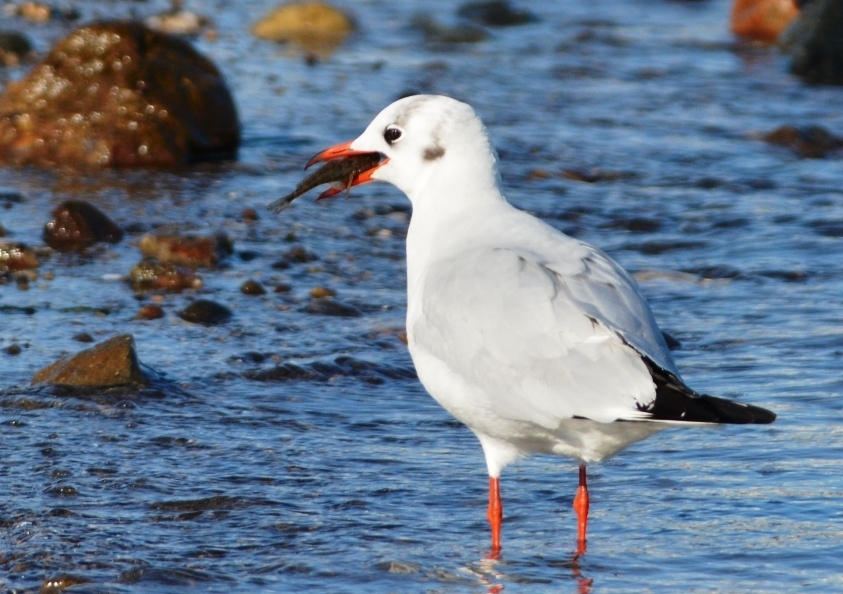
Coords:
322,292
205,312
118,94
110,363
539,173
193,251
252,287
299,255
15,257
77,224
155,275
12,349
762,20
150,312
812,142
250,215
315,25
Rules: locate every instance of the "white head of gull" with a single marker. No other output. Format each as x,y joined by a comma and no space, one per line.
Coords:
538,342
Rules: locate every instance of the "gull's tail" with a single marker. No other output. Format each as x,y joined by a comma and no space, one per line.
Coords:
677,402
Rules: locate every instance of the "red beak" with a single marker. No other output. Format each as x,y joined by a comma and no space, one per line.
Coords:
341,151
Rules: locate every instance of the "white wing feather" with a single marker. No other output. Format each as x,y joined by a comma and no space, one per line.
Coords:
543,328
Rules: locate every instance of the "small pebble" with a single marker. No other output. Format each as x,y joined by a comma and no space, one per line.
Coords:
283,288
538,173
250,215
299,255
35,11
205,312
59,583
252,287
77,224
12,349
150,312
322,292
83,337
329,307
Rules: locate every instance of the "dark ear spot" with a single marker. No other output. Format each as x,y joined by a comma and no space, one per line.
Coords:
434,152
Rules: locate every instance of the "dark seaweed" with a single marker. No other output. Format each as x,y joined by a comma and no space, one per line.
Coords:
337,170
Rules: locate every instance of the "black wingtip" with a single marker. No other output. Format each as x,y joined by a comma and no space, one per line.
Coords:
677,402
737,413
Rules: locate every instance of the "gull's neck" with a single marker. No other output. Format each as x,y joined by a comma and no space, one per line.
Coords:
450,203
452,209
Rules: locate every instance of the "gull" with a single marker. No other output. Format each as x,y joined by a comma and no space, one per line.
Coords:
536,341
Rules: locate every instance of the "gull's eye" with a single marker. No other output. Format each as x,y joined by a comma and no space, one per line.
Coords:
392,134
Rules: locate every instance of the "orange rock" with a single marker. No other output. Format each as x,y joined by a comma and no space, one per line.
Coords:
762,20
321,292
35,12
189,250
164,276
316,26
150,312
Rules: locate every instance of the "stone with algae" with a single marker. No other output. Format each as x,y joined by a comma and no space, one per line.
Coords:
119,94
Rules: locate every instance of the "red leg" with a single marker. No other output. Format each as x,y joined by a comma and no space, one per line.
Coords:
581,507
495,513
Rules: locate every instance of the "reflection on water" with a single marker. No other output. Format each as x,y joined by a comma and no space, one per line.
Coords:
496,575
634,126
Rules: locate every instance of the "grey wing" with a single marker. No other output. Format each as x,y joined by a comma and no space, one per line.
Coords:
607,293
529,342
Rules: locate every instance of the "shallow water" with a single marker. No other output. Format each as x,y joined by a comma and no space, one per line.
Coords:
355,480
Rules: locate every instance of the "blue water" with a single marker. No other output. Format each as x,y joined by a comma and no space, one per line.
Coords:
357,481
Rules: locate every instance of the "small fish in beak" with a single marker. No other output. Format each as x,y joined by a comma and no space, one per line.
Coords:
343,169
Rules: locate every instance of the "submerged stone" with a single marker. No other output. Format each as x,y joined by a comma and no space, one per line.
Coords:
150,312
118,94
110,363
77,224
150,274
205,312
813,142
436,32
496,13
252,287
189,250
327,306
